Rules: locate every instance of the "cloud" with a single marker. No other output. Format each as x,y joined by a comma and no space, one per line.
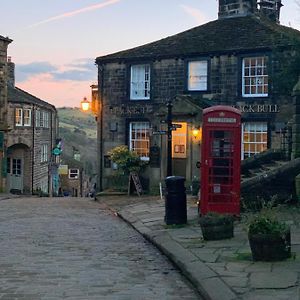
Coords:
195,13
24,71
78,70
76,12
83,63
75,75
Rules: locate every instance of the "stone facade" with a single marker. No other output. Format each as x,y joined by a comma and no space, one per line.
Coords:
4,42
229,46
33,131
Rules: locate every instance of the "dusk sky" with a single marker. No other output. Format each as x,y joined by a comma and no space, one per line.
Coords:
55,42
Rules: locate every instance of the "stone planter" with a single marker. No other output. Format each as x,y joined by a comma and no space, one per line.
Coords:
216,227
270,247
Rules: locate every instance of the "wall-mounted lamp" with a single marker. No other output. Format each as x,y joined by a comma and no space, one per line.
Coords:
197,134
85,104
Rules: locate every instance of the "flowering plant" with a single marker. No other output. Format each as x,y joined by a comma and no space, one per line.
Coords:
126,160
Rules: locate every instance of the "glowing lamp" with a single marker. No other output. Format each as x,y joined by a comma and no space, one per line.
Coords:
195,132
85,104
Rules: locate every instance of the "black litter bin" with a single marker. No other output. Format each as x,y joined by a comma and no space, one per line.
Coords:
175,201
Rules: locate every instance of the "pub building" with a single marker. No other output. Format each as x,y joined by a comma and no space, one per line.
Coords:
234,61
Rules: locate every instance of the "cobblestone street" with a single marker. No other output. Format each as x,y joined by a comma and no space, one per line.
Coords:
73,248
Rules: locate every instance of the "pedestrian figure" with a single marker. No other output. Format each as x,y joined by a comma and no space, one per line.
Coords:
92,193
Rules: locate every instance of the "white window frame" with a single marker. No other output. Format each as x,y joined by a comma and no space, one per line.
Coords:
19,116
197,72
73,173
44,153
45,119
42,120
257,130
255,77
37,118
140,82
27,117
139,133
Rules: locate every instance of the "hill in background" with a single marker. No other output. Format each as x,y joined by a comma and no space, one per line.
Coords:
78,131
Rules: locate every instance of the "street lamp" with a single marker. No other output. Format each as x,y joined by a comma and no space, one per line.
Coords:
96,107
85,104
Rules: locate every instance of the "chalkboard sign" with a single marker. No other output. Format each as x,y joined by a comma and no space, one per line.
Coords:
134,177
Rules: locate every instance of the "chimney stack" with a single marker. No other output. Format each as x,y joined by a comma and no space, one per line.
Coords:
270,9
236,8
10,72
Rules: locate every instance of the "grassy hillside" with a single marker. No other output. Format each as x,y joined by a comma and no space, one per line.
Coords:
78,132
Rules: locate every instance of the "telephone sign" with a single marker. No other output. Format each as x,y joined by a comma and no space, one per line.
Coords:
221,160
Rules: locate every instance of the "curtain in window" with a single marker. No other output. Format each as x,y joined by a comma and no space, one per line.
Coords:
197,75
140,82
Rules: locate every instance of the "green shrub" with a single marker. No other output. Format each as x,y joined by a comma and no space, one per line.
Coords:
126,160
266,222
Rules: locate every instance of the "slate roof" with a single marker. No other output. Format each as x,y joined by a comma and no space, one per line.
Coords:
17,95
2,38
220,36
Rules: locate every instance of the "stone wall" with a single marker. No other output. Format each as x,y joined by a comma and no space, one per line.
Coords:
169,79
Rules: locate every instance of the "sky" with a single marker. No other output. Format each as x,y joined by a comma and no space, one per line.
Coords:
55,42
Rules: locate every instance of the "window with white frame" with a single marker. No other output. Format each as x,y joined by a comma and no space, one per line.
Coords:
23,116
37,118
139,140
27,117
197,75
73,173
254,138
44,153
255,77
45,117
42,119
140,82
19,116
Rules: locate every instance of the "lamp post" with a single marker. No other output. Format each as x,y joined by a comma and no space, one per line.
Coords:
96,107
169,133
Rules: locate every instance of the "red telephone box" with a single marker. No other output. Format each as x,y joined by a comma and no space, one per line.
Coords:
220,160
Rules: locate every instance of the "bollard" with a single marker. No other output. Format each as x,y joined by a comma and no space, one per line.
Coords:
175,201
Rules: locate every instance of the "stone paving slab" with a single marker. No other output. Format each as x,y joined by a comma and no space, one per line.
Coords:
224,269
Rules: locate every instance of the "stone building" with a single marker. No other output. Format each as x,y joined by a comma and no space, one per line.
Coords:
235,60
4,42
33,129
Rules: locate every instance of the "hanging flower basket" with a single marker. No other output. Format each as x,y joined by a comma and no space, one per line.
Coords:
216,226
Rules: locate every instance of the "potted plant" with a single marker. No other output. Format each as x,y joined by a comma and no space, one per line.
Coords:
216,226
269,238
